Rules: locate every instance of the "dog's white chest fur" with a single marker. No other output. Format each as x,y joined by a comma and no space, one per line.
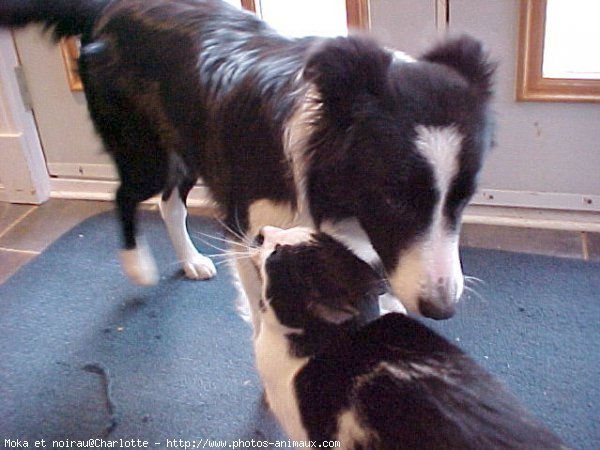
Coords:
277,369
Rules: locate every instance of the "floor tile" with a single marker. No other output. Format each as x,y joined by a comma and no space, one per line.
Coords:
48,222
11,261
525,240
10,213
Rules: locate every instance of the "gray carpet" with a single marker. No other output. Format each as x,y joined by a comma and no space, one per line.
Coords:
84,354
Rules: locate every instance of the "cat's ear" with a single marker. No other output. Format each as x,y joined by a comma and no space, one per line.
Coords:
333,314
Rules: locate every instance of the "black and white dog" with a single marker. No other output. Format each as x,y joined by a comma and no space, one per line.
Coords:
338,134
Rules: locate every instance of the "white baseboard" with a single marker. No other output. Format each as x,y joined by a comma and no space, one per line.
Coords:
537,200
485,197
522,212
104,190
550,219
75,189
105,172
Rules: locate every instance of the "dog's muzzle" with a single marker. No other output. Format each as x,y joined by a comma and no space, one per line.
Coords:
442,303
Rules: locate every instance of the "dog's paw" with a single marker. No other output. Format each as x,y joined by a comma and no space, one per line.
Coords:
199,268
138,264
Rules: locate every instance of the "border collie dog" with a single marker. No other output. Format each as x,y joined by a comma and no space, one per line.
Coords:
333,370
339,134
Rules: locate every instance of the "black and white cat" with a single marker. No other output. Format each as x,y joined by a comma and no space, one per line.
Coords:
335,370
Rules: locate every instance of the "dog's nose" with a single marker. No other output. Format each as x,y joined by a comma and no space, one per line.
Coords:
436,311
441,303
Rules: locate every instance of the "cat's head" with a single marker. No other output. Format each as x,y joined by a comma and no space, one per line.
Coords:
310,280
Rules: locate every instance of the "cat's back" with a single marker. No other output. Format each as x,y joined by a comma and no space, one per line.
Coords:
398,385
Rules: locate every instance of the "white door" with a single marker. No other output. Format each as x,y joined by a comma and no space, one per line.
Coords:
23,174
74,155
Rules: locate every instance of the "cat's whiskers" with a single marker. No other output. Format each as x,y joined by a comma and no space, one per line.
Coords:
471,289
228,260
228,250
474,280
242,237
210,244
230,255
238,232
229,241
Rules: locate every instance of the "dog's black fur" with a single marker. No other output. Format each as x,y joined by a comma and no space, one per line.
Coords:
186,89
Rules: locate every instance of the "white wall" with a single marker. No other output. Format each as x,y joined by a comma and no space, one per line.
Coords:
553,147
406,25
544,150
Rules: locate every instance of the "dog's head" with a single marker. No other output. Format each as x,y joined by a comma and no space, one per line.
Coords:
399,146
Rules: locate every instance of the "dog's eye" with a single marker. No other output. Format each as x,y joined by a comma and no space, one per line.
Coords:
276,249
259,240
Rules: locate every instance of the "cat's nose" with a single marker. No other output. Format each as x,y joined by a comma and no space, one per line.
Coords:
259,240
265,233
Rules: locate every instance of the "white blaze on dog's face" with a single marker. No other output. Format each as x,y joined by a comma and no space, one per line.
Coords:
413,227
428,277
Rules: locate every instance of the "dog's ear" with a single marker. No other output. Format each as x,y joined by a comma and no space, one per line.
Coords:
467,56
345,67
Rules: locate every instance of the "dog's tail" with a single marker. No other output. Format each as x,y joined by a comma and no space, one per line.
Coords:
63,17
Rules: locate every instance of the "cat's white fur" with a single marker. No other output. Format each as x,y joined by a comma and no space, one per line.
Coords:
276,365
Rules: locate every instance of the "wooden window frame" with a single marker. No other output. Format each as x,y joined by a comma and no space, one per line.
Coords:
531,84
357,14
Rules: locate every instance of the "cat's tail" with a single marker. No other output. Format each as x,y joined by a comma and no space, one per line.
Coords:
63,17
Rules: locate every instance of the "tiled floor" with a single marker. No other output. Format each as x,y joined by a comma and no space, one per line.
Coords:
26,231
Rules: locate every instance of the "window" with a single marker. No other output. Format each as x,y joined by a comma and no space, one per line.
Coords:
295,18
570,25
558,51
311,17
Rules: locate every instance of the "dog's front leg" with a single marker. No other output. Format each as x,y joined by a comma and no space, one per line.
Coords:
174,214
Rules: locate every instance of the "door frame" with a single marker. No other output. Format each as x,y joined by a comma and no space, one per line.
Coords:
23,172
